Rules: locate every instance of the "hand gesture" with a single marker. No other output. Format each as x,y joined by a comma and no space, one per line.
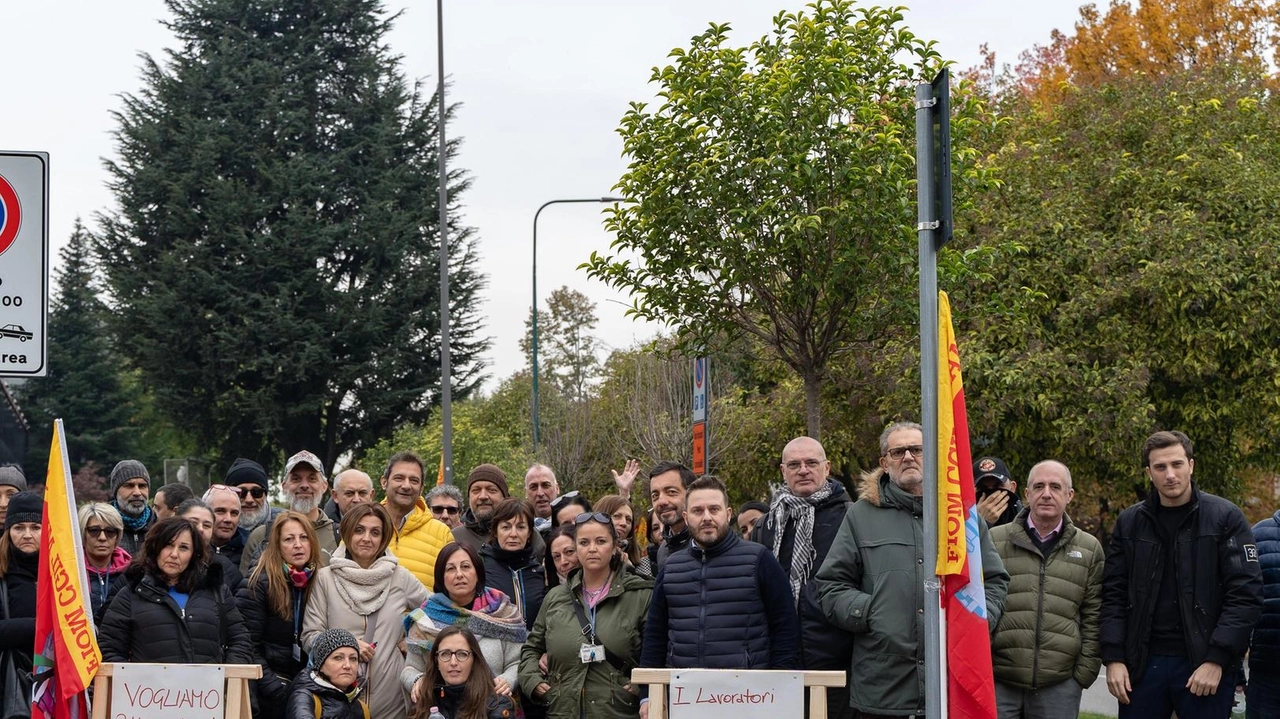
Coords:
627,479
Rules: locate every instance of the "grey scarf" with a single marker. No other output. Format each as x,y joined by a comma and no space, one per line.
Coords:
787,507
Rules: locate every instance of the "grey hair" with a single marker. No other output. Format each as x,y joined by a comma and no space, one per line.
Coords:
896,426
540,468
446,490
102,511
1065,468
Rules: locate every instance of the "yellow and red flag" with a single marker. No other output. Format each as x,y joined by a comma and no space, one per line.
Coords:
970,682
66,651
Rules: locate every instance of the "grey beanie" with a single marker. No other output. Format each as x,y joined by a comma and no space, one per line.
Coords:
125,470
24,507
328,642
11,476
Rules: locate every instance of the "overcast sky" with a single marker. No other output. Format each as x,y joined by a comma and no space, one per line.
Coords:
542,84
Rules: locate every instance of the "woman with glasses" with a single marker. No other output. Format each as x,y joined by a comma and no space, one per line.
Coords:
590,629
104,559
273,603
366,591
458,677
509,564
618,508
174,607
462,599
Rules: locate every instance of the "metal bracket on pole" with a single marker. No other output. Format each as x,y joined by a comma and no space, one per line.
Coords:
922,104
922,226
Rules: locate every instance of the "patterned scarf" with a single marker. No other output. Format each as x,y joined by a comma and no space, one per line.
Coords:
491,615
364,590
788,507
133,523
299,577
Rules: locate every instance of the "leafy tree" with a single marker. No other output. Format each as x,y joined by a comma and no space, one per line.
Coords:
566,345
1143,294
85,386
274,257
773,190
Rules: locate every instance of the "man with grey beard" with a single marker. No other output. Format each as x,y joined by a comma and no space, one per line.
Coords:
130,490
250,479
304,488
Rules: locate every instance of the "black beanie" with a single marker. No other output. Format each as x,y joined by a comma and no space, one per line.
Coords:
245,471
24,507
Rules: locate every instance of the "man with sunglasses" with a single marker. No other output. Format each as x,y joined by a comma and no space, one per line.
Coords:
876,567
250,478
445,502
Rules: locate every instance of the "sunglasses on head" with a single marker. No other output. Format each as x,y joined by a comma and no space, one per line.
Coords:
228,488
564,497
585,517
444,509
108,532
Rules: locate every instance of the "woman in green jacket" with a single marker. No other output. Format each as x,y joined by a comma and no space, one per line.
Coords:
601,610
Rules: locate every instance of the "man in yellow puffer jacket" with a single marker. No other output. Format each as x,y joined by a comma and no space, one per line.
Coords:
420,536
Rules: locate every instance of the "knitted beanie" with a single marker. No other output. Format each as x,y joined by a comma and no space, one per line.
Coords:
11,476
246,471
330,641
125,470
489,473
24,507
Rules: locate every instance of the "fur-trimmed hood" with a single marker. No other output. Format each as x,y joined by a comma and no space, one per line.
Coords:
875,487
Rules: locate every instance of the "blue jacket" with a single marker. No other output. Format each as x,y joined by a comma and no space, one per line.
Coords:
1264,651
724,607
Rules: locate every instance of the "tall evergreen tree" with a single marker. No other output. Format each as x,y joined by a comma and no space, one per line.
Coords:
274,256
85,384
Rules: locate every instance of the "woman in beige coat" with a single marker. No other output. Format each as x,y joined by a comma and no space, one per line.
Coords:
365,591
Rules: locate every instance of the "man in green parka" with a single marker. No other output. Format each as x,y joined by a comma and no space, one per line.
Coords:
1045,652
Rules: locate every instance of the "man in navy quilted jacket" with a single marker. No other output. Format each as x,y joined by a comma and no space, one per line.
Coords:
1263,694
722,602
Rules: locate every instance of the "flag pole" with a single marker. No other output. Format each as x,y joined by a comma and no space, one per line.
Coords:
935,705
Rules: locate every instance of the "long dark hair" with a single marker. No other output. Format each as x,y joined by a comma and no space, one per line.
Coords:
449,550
479,686
611,503
161,535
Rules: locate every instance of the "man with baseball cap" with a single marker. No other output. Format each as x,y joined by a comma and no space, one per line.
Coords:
998,501
130,490
12,481
304,489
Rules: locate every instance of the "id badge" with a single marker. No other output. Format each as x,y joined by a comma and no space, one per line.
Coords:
590,653
297,653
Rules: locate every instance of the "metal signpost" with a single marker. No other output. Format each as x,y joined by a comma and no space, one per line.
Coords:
24,263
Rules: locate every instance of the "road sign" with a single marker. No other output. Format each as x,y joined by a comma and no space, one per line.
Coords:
700,389
699,448
24,263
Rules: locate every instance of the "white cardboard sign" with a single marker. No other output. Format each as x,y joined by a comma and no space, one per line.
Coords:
728,694
167,691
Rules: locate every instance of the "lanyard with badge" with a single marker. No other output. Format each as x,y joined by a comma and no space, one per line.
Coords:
591,650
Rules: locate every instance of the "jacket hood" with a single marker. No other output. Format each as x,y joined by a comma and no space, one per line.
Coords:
513,558
475,525
869,485
119,561
876,487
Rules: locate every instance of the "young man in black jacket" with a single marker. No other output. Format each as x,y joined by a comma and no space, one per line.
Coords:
1180,594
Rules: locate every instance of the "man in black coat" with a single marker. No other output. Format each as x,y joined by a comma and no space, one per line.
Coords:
805,516
1180,593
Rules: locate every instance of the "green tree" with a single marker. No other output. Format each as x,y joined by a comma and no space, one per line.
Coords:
1143,295
273,260
567,346
773,190
85,386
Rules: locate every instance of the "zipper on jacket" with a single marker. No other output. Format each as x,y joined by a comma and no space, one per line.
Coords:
1035,655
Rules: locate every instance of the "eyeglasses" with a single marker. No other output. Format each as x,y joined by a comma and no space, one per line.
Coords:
899,452
252,490
795,464
108,532
442,509
236,490
585,517
448,655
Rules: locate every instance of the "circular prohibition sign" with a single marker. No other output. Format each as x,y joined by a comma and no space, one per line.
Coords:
10,215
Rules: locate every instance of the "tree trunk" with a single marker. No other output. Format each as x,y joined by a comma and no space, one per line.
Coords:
812,409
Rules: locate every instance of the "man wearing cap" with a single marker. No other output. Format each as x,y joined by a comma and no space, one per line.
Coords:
1045,650
486,486
998,501
229,537
304,488
419,536
12,481
350,487
250,478
130,490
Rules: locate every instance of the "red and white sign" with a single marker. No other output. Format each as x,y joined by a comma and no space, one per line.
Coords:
24,263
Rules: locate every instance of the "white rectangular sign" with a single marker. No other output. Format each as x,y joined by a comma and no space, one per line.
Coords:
24,263
728,694
700,382
167,691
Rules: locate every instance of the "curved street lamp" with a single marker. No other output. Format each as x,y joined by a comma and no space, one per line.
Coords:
534,328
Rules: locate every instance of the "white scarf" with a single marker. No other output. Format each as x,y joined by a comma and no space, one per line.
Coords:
364,590
788,506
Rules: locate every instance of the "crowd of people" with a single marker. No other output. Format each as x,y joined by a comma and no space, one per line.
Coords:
479,605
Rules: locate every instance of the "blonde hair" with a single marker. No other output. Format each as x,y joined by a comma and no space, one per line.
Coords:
272,564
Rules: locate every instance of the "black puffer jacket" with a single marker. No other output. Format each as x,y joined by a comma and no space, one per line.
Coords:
518,575
144,624
822,646
275,641
448,699
333,703
1216,572
1264,652
19,630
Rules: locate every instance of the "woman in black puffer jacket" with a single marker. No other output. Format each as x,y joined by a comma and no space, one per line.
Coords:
509,564
327,688
19,564
273,603
174,607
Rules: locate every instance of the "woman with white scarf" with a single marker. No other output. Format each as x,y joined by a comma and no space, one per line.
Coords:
365,591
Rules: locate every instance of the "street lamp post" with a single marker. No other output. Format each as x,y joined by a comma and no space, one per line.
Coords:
534,326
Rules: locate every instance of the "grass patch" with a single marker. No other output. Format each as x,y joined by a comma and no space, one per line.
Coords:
1092,715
